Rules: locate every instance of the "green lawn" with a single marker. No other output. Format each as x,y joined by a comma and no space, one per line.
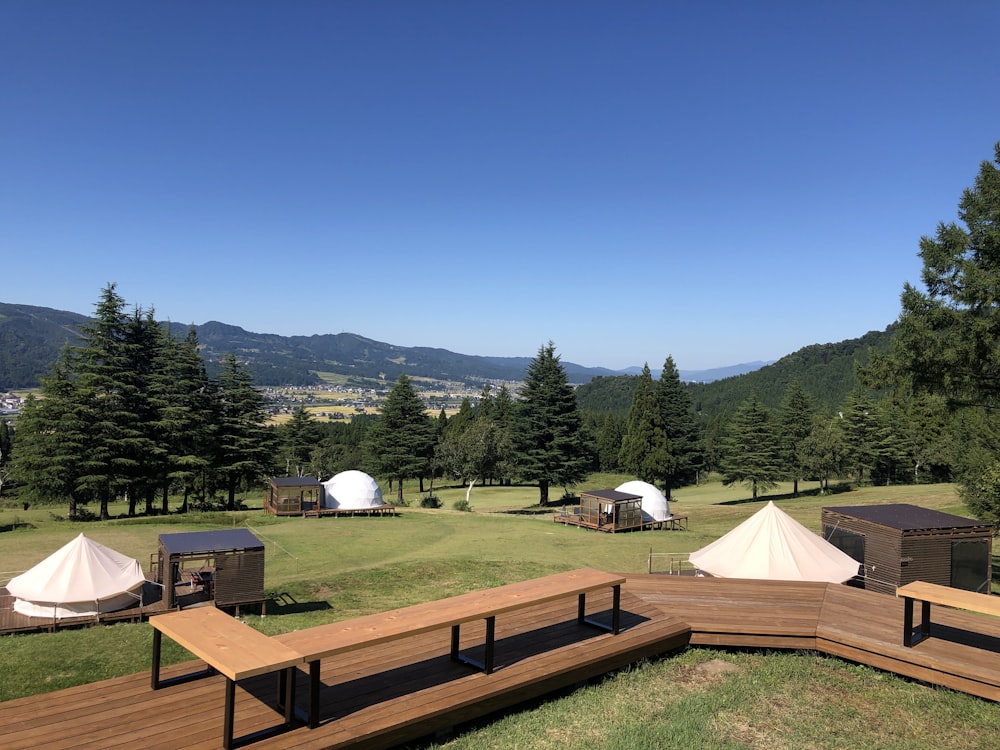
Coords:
335,568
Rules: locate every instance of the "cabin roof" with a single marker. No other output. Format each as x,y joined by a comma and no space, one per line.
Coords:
906,517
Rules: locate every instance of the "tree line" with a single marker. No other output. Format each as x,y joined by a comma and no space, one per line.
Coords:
131,413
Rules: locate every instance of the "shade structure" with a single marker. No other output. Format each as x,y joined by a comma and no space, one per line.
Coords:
352,490
80,578
774,546
654,504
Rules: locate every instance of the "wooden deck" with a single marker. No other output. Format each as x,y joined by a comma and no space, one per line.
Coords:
379,697
405,690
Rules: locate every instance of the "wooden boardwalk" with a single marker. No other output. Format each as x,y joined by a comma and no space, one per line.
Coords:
409,689
380,697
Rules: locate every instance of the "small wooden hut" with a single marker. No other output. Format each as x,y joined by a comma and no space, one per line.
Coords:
294,496
226,566
900,543
606,510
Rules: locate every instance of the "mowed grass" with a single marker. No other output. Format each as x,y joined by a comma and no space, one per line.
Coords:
330,569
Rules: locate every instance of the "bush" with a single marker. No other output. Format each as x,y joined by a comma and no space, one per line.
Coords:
430,501
463,505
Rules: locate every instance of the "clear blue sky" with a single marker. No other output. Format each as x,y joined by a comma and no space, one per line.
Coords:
722,182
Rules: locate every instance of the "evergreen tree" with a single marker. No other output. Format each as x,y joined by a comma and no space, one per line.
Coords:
751,450
644,451
860,426
51,437
795,423
107,390
681,430
297,439
187,415
823,452
947,339
400,445
243,442
550,447
609,443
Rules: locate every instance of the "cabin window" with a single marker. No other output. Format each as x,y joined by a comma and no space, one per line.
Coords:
847,541
970,565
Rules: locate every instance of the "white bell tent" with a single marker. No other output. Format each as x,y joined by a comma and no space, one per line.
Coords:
79,579
774,546
654,504
352,490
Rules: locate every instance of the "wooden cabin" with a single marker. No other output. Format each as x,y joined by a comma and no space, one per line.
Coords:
294,496
225,567
900,543
606,510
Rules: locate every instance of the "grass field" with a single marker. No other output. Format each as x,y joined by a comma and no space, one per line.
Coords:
330,569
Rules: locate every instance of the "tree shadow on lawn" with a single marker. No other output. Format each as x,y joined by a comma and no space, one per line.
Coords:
834,489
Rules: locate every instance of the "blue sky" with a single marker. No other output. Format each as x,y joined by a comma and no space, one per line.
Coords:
722,182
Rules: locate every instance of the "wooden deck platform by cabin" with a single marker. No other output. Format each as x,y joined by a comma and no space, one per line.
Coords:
400,692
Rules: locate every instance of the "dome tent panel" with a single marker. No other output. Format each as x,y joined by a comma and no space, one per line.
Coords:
352,490
654,504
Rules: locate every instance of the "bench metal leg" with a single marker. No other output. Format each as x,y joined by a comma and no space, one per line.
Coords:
486,665
227,722
616,608
924,630
314,694
154,677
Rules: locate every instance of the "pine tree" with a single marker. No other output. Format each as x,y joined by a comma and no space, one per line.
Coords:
860,432
795,423
400,445
680,428
549,441
50,440
186,413
644,451
243,442
751,456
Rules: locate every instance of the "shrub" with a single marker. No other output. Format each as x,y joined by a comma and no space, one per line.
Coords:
430,501
463,505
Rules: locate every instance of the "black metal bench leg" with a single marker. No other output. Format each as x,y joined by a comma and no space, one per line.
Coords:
491,623
907,622
227,722
154,677
925,620
314,694
616,610
455,633
581,608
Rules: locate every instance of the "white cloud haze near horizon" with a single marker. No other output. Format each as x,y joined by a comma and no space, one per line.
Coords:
722,182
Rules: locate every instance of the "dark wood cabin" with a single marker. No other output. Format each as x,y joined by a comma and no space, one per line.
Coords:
294,496
224,566
606,510
900,543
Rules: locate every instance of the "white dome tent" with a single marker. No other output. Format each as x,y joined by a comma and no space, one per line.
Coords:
654,504
771,545
352,490
81,578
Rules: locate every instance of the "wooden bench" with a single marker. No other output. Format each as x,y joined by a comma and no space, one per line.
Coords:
315,644
932,593
230,648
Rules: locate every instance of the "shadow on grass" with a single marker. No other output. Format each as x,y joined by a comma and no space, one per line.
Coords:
833,489
284,603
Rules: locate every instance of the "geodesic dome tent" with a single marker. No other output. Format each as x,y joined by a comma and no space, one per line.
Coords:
81,578
654,504
352,490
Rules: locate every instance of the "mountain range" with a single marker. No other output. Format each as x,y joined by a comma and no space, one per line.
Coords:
31,339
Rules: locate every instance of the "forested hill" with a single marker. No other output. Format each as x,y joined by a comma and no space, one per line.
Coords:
825,371
31,339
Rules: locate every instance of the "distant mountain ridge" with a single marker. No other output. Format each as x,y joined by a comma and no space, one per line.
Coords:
31,339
